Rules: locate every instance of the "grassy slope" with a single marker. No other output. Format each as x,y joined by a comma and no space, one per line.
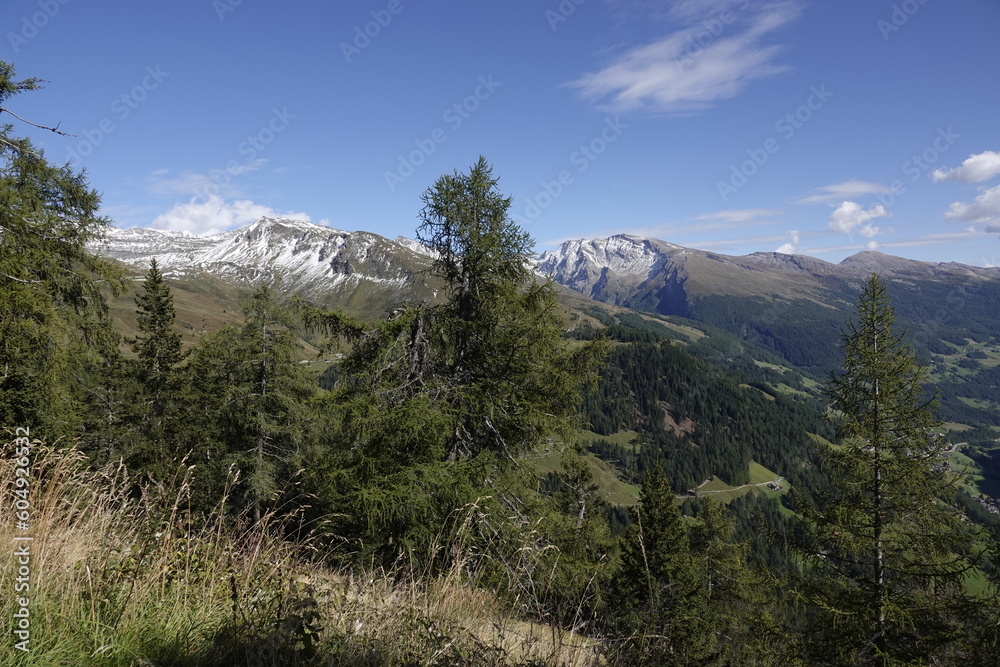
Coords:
115,581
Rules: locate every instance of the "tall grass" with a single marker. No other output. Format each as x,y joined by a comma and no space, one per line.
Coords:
123,580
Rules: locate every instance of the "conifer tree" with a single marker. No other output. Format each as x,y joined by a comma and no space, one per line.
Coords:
51,305
156,442
660,593
158,347
882,549
435,400
255,396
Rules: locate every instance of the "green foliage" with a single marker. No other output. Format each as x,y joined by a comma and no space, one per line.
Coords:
51,305
660,594
695,420
252,398
434,403
883,553
150,388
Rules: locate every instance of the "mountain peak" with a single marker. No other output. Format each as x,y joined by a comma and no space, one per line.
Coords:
300,256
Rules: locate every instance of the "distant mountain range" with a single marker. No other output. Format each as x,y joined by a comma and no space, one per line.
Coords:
360,271
657,276
793,305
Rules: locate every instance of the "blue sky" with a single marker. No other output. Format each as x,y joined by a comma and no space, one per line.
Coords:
821,128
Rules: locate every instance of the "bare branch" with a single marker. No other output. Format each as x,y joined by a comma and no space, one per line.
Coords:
41,127
26,282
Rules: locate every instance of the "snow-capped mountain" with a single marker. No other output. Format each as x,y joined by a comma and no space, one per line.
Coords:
655,275
295,256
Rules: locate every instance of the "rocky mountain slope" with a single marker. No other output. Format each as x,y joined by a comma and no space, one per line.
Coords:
654,275
359,271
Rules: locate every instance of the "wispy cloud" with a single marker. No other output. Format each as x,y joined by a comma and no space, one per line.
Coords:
937,239
841,191
699,9
737,217
215,214
975,169
985,208
189,183
665,77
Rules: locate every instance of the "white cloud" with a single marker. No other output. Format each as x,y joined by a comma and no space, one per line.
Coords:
975,169
214,215
791,247
985,208
841,191
850,215
684,72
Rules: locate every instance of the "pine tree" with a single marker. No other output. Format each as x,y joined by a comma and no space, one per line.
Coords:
254,396
660,593
883,549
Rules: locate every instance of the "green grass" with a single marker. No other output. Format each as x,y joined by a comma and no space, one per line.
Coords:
723,492
759,474
976,582
955,426
765,394
613,489
975,403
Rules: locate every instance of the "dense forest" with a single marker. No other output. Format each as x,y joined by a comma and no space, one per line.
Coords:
222,504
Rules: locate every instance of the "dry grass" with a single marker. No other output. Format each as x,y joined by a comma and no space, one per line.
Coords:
118,580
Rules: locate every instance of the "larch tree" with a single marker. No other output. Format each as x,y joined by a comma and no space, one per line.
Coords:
884,552
255,396
51,304
436,401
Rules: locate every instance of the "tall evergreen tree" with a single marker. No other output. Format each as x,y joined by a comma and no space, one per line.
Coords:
155,442
255,396
472,382
882,548
158,347
660,593
51,304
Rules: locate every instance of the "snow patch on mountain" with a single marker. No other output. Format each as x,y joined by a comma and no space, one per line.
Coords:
622,254
303,256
